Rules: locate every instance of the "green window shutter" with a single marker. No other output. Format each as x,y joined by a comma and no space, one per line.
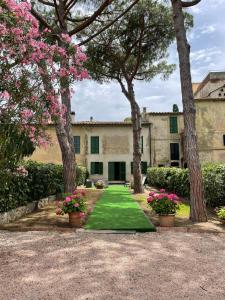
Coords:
94,144
76,140
92,168
132,167
101,168
173,124
142,144
111,171
97,168
144,166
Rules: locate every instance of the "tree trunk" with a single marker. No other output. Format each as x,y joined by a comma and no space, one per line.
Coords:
65,137
198,207
136,124
64,133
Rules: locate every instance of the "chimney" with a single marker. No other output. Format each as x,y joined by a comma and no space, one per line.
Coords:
72,115
91,119
144,114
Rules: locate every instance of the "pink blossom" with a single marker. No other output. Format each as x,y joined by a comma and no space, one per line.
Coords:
150,199
76,205
66,38
82,214
162,190
68,199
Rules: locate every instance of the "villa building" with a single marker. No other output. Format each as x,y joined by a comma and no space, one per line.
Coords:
105,148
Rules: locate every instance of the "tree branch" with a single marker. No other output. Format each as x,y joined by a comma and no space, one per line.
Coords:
41,19
92,18
138,60
46,3
125,92
108,25
58,14
189,4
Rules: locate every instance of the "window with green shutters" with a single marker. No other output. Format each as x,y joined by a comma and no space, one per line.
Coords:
97,168
76,140
174,151
144,166
94,144
173,124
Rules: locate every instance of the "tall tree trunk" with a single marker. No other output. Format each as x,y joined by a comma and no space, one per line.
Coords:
65,137
198,207
136,124
63,132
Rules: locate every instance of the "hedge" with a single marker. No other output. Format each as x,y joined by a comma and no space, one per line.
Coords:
41,180
176,180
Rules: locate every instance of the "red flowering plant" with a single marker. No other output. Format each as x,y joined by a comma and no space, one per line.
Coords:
163,203
72,203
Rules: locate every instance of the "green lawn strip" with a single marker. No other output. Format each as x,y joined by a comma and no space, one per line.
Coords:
117,210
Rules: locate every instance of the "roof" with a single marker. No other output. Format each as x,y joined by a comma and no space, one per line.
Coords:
164,113
106,123
195,86
211,76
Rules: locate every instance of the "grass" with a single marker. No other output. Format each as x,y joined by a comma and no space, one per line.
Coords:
117,210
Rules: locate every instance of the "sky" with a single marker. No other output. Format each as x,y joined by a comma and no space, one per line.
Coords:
105,102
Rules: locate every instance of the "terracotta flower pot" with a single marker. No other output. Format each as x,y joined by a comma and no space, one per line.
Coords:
166,220
75,219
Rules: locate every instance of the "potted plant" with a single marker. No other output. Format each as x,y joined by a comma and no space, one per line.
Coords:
74,205
99,184
221,214
165,205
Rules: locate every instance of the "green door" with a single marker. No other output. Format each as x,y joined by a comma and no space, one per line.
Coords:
122,171
111,171
116,171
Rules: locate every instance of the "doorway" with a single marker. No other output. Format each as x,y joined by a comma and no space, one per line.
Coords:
117,171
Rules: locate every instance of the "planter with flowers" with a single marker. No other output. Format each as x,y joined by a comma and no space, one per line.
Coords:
99,184
74,205
221,214
165,205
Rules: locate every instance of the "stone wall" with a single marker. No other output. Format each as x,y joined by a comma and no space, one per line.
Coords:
21,211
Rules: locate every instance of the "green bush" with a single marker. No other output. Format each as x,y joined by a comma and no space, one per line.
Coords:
39,181
176,180
14,190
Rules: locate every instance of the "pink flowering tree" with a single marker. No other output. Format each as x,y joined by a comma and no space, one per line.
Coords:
66,19
32,70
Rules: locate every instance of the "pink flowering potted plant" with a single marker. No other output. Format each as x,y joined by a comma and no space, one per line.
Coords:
165,205
75,206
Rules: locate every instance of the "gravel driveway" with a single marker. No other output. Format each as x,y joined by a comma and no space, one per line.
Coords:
167,265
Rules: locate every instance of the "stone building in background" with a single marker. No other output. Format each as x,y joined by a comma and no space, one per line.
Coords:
105,148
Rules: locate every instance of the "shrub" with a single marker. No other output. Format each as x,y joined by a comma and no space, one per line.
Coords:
14,190
176,180
41,180
221,213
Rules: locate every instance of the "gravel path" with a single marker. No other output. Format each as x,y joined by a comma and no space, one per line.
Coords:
170,265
